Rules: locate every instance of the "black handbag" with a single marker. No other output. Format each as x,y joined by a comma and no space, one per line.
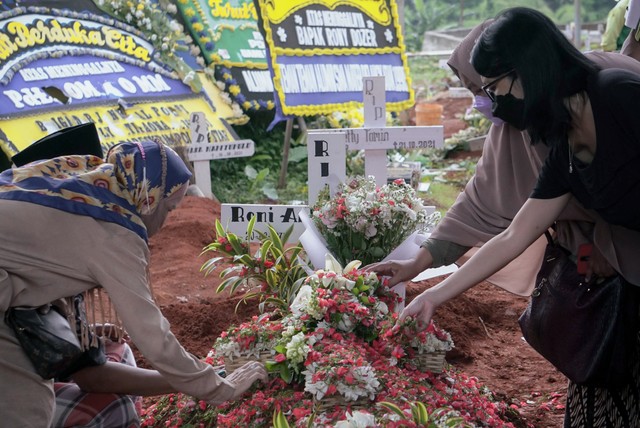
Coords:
587,330
50,342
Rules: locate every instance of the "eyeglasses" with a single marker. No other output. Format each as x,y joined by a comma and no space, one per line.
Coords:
489,92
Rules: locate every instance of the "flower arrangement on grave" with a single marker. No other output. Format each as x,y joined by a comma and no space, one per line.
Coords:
332,368
406,345
271,274
348,299
338,367
255,339
365,222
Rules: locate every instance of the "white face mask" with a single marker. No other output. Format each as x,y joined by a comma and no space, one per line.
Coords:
156,219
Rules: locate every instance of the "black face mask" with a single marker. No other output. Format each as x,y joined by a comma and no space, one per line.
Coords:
510,109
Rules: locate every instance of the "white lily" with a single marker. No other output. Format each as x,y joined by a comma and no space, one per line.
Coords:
332,265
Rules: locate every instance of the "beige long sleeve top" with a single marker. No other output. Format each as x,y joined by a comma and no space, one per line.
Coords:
46,254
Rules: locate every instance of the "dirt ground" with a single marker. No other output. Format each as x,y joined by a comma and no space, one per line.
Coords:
483,322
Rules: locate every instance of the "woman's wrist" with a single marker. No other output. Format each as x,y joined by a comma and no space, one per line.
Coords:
423,260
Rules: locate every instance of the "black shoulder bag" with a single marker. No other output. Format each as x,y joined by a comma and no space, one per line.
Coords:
49,341
587,330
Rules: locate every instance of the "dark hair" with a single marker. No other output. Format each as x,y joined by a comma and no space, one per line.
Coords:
550,68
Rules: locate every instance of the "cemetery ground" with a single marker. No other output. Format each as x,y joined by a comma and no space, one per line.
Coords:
483,322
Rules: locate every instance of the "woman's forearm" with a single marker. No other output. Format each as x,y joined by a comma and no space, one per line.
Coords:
493,256
118,378
531,221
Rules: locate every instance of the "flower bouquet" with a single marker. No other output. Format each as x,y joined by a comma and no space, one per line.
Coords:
365,222
425,349
254,340
349,300
339,373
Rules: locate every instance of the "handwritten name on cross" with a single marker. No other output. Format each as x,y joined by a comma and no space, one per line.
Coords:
326,149
201,152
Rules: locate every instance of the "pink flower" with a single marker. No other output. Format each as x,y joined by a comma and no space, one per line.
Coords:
280,358
398,352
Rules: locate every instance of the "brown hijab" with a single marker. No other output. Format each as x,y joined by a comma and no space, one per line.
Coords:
505,177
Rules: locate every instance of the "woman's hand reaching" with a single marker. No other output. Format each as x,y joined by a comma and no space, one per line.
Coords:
241,379
402,270
421,309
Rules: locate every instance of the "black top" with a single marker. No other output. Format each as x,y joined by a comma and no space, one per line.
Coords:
610,185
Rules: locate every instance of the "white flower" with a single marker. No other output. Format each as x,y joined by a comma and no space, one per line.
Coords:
236,109
357,419
175,27
172,8
297,349
301,301
331,264
381,308
371,231
189,77
346,324
352,266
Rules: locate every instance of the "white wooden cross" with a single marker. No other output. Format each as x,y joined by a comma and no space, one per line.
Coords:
327,148
201,152
327,163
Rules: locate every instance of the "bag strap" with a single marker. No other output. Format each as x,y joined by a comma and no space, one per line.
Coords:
549,237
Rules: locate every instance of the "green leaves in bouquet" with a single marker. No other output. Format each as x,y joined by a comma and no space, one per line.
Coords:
280,420
421,417
271,275
282,368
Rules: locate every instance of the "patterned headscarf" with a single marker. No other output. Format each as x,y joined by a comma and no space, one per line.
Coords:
132,181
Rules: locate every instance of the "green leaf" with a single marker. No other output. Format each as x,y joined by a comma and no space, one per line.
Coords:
287,234
312,418
277,242
264,172
272,278
376,252
279,303
285,373
423,415
220,232
270,191
279,420
297,154
235,243
393,408
264,249
210,265
250,226
250,172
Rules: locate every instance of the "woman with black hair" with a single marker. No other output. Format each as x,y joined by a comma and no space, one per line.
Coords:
540,83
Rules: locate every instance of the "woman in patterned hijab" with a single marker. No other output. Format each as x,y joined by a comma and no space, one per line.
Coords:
129,189
76,223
